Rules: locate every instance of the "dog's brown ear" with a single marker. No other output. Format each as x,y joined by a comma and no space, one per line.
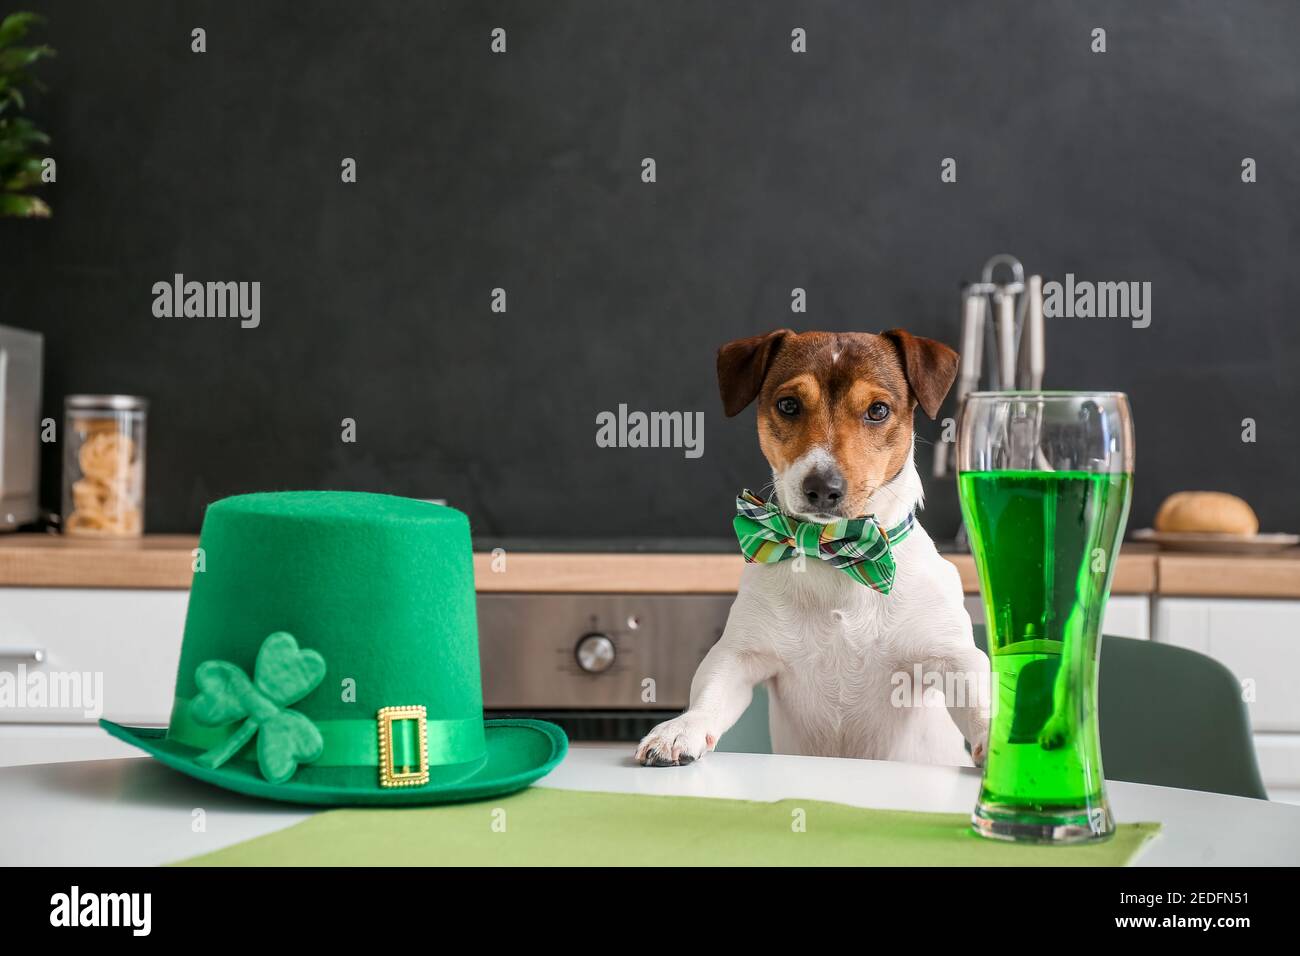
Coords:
742,365
930,366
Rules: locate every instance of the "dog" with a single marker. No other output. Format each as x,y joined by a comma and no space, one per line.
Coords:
850,671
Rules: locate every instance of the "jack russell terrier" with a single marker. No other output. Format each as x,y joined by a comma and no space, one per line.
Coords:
861,635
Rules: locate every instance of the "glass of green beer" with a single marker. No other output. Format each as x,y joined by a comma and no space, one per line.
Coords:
1045,480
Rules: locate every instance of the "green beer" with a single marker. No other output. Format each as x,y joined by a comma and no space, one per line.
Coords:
1045,544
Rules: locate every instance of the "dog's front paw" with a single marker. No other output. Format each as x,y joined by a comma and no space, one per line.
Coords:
1055,734
1058,731
979,749
675,743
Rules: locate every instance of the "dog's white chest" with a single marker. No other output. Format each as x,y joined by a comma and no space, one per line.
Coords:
819,609
841,650
826,631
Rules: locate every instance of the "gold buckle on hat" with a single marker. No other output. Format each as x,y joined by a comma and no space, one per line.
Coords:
389,775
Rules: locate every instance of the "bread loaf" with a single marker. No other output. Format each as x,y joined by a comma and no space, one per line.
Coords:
1206,511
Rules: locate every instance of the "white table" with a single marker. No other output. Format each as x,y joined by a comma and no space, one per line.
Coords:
135,811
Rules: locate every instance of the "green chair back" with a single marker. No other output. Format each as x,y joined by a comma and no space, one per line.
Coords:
1169,717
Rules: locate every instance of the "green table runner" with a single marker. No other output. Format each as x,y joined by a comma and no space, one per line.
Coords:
547,827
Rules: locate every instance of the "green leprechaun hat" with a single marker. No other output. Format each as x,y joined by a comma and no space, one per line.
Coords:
331,657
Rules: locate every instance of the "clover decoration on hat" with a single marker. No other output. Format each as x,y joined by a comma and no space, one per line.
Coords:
284,675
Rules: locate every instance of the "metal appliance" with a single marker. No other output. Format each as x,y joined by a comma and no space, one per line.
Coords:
603,666
20,414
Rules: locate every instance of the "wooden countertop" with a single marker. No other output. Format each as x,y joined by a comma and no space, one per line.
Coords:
164,561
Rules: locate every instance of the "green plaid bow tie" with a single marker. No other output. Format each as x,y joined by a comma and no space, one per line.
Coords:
859,546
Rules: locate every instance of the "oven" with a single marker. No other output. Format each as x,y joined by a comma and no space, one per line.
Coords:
605,667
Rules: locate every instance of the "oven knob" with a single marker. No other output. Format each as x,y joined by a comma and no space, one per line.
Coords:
595,653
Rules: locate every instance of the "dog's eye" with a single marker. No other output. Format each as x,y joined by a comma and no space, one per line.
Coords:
877,412
789,407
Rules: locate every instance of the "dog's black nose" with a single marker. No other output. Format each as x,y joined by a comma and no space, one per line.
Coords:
823,489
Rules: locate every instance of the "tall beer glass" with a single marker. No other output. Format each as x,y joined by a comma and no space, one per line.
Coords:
1045,480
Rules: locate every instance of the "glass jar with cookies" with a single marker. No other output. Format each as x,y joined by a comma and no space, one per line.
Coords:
103,465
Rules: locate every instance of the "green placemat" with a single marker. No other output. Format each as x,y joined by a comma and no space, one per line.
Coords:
548,827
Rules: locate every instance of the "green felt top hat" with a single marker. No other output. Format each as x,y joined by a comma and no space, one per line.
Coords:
331,656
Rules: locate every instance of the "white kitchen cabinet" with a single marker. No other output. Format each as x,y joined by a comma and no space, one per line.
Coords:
1127,615
89,652
1259,641
1279,765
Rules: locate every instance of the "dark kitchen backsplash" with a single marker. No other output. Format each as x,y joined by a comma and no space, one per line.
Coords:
522,171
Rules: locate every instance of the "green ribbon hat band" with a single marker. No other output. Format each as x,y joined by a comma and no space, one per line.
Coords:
351,743
231,710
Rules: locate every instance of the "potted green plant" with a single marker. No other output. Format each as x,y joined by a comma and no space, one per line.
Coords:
21,159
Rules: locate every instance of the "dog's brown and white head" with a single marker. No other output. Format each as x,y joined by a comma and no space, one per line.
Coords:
834,410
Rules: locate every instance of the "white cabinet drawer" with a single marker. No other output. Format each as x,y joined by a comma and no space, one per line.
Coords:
1279,760
104,649
1258,640
1127,615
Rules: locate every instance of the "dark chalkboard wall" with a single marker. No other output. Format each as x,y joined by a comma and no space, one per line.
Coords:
523,171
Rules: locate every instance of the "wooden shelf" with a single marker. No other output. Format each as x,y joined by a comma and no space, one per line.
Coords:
164,561
1231,575
48,560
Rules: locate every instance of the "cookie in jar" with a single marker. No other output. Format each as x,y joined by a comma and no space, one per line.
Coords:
103,465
